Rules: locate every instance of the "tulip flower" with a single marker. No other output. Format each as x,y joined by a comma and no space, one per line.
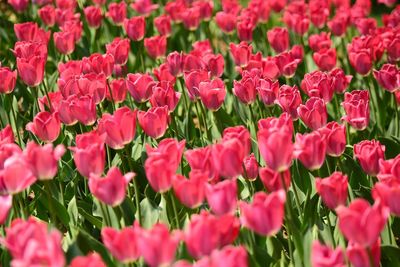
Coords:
190,192
340,80
313,113
356,106
6,135
45,126
64,42
250,170
193,80
118,91
289,99
333,189
222,196
369,154
335,136
359,255
5,206
268,91
212,93
310,149
140,86
388,192
135,28
241,53
168,147
318,84
165,95
272,180
323,256
117,12
119,48
91,260
163,25
226,22
121,243
388,77
159,172
8,79
156,46
154,122
278,38
200,159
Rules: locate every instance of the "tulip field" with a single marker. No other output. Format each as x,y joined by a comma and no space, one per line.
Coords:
202,133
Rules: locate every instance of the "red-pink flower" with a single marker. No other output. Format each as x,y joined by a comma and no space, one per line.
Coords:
287,63
319,41
31,69
140,86
135,28
89,153
335,136
175,63
163,25
272,180
8,79
110,189
278,38
340,80
117,90
6,135
143,7
388,77
156,46
289,99
212,93
318,84
159,172
119,128
154,121
164,95
93,16
245,89
250,170
333,189
228,157
190,192
200,159
82,109
117,12
19,5
206,232
241,53
359,256
313,113
48,15
228,256
193,80
122,244
45,126
119,48
157,245
310,149
169,147
64,42
222,196
43,160
31,243
16,175
226,21
265,214
356,106
388,192
362,223
91,260
324,256
325,59
215,64
268,91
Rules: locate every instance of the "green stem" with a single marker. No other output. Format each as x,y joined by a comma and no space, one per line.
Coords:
175,210
330,229
15,120
49,197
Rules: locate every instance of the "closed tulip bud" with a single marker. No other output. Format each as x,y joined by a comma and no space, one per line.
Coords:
250,170
119,128
157,245
388,169
190,192
193,80
154,122
169,147
118,91
333,189
6,135
245,90
165,95
159,172
335,136
356,106
340,80
362,223
229,256
272,180
31,70
361,62
144,7
313,113
228,157
19,5
265,214
93,16
244,28
200,159
268,91
175,63
64,42
278,38
359,256
191,18
310,149
324,256
91,260
117,12
122,244
369,153
388,77
289,99
24,235
162,73
48,15
140,86
8,79
212,93
156,46
276,147
83,109
135,28
213,232
241,133
283,121
119,48
325,59
241,53
16,175
226,21
222,196
89,153
43,159
45,126
215,64
110,189
163,25
318,84
5,206
319,41
388,192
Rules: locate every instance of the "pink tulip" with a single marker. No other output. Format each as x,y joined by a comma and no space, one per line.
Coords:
165,95
140,86
5,206
159,172
143,7
122,244
93,16
228,157
313,113
241,53
388,192
156,46
272,180
64,42
340,80
8,79
289,99
250,170
163,24
6,135
335,136
154,122
324,256
91,260
82,109
362,223
333,189
119,48
369,154
318,84
190,192
212,93
118,91
319,41
287,63
200,159
356,106
245,90
278,38
175,63
359,256
310,149
325,59
265,215
168,147
222,196
388,77
31,70
229,256
193,80
117,12
268,91
45,126
135,28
